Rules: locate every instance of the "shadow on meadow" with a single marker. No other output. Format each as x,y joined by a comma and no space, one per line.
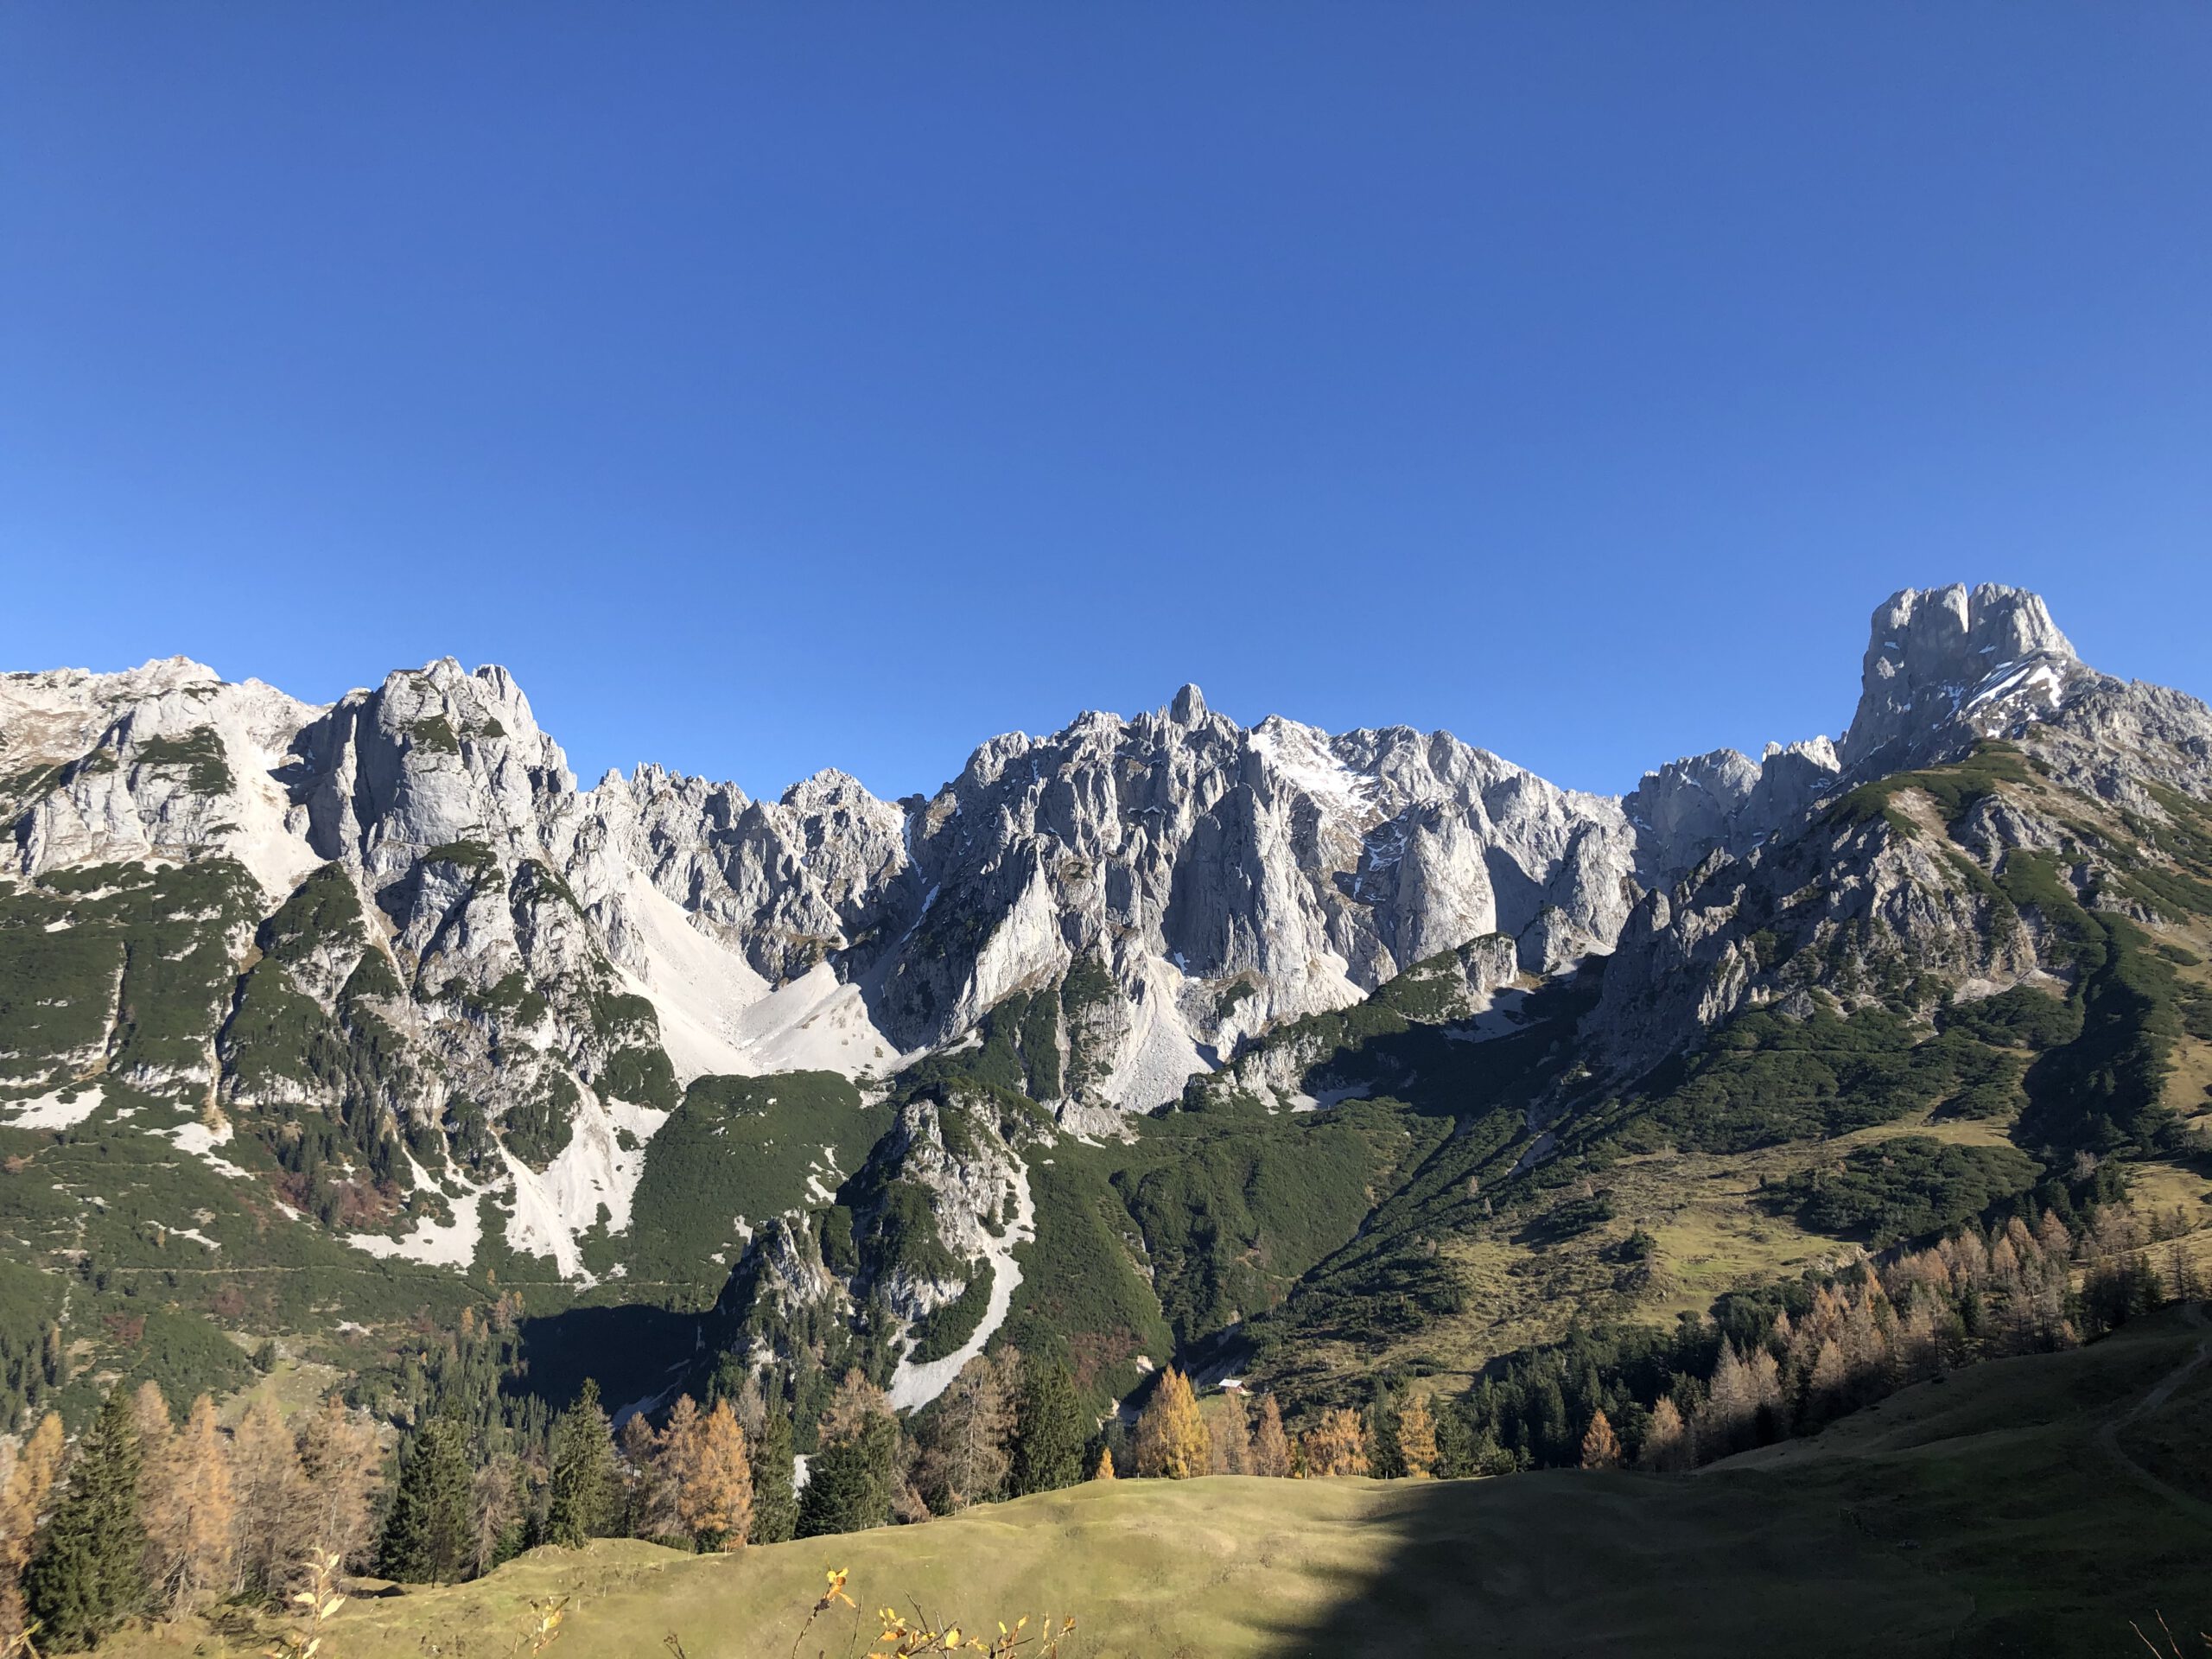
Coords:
1988,1514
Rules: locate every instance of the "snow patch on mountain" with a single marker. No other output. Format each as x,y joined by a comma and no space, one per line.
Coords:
431,1241
62,1109
700,990
1301,755
593,1179
200,1141
913,1385
815,1023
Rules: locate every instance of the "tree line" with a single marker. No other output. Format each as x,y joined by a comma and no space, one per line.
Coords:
146,1516
1787,1359
150,1515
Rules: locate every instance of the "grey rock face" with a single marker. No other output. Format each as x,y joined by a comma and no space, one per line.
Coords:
1189,855
1723,801
1743,932
1949,664
1222,878
163,761
1790,894
1694,804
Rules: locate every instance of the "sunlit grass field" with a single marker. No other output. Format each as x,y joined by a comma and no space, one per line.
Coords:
1983,1514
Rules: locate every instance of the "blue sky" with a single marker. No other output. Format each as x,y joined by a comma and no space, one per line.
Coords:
778,386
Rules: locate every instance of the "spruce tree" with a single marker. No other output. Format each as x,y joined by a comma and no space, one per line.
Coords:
775,1505
1049,1428
431,1535
85,1577
849,1481
1383,1461
581,1489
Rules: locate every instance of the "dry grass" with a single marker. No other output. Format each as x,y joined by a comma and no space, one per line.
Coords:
1974,1516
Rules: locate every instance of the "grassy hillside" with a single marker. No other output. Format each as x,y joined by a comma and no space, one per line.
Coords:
2034,1504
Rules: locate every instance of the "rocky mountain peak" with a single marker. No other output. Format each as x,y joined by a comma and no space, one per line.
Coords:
1945,665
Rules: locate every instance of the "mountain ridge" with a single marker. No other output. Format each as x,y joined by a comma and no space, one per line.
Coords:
433,997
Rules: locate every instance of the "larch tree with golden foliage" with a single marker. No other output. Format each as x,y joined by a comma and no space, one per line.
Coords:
964,1441
1337,1446
851,1409
190,1513
715,1504
1417,1440
272,1504
1172,1441
1105,1469
1667,1446
1270,1445
149,1415
1231,1432
343,1466
648,1505
23,1497
1600,1449
675,1465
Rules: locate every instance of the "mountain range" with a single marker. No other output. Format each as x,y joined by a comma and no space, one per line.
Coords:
1099,1045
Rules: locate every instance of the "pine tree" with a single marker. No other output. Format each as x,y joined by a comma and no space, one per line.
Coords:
429,1537
1667,1446
1381,1422
775,1505
1600,1449
185,1488
581,1489
1172,1442
22,1500
1417,1440
1049,1428
1270,1445
1339,1446
85,1577
648,1505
